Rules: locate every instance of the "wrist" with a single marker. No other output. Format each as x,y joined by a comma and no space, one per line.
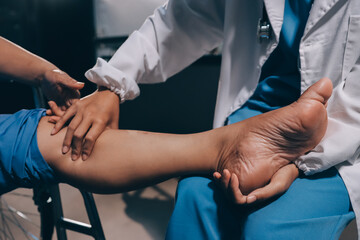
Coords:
109,93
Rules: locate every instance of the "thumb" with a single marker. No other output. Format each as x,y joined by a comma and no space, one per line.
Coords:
72,83
279,184
264,193
67,81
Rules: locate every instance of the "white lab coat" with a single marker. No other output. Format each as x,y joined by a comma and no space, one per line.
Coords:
183,30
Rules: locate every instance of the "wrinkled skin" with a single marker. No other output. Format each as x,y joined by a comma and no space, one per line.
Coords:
269,141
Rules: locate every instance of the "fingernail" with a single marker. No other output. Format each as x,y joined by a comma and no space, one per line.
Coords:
73,157
216,175
65,149
84,156
53,131
251,199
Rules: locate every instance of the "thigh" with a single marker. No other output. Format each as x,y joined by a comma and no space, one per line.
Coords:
201,212
316,207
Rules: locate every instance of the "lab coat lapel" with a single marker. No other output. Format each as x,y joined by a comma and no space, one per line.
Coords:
275,11
318,10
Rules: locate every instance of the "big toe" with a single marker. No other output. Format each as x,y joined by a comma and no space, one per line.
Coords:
319,91
312,108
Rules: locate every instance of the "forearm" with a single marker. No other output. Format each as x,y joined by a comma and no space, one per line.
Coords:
123,160
21,64
168,41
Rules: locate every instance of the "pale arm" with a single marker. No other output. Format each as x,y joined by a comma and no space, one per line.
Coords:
26,67
21,64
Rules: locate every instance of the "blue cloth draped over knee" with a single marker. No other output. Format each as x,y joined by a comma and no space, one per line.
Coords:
21,162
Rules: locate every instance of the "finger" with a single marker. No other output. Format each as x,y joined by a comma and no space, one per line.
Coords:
66,80
77,140
53,119
72,83
50,120
70,133
217,176
72,99
261,194
64,118
49,112
234,190
279,184
55,109
67,96
63,108
224,182
90,139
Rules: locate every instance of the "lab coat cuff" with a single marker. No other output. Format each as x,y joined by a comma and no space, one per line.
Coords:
104,74
307,170
312,163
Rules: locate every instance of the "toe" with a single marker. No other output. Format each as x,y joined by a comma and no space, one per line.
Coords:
320,91
312,107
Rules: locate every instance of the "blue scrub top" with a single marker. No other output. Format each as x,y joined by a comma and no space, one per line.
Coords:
279,83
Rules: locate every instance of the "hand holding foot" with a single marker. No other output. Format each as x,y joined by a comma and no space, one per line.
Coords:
265,143
279,183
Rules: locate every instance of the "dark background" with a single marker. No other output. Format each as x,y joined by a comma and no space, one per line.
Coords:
62,31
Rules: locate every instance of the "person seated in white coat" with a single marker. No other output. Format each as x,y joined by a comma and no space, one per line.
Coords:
307,40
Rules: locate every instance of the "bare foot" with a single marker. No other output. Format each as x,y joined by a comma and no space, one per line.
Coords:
266,142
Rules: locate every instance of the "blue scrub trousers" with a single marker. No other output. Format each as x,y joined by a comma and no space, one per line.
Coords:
21,163
315,207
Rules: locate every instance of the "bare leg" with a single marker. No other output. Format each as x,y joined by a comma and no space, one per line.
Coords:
123,160
253,149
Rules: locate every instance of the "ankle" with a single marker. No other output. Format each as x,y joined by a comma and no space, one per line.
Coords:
225,137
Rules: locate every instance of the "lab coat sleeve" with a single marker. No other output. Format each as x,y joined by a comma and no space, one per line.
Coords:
342,139
176,35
